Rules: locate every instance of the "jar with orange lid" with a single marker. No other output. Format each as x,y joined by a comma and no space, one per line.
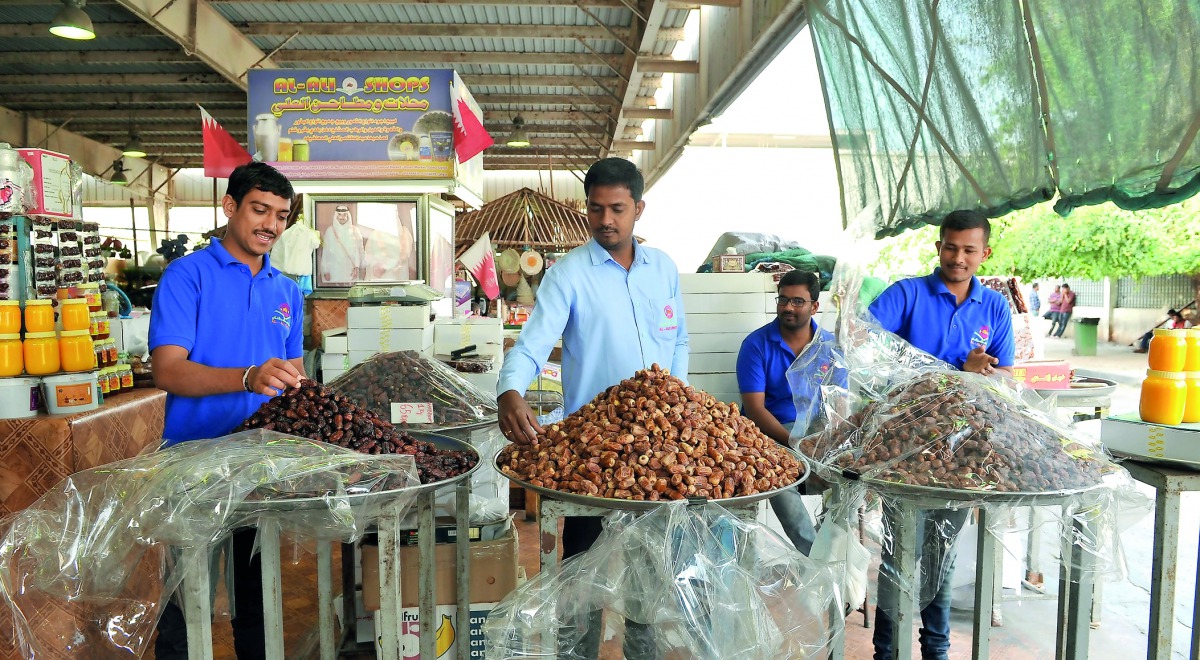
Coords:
126,373
10,316
91,293
1168,350
76,350
12,361
1191,406
40,350
39,316
1192,361
1164,395
75,315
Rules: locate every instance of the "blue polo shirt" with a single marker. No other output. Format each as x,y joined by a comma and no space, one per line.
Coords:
923,312
208,303
763,363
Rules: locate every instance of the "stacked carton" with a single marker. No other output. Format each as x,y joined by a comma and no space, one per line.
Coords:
722,308
374,329
485,333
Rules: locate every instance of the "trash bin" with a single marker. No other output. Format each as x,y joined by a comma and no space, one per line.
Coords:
1085,335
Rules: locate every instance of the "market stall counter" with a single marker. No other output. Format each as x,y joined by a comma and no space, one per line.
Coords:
38,452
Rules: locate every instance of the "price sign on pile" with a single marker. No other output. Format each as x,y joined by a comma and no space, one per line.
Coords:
412,413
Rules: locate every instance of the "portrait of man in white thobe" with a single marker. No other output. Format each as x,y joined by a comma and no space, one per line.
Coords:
391,243
342,255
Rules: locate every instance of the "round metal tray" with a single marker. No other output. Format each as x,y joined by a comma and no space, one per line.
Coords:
490,420
367,499
934,493
644,505
1082,387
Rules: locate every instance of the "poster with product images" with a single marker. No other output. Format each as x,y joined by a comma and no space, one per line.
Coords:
353,124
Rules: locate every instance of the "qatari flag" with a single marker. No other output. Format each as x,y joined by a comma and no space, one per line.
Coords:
222,153
470,137
481,262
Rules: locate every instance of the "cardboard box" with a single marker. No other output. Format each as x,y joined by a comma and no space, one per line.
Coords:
51,183
726,283
453,334
717,342
389,316
330,375
488,382
446,615
335,361
334,340
729,263
1043,374
712,363
387,341
710,303
712,383
493,572
1130,435
746,323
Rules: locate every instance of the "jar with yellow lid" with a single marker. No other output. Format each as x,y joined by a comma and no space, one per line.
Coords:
1168,349
10,317
1192,361
114,379
91,293
76,350
75,315
1191,408
41,353
102,381
110,352
12,362
103,328
39,316
126,373
1164,395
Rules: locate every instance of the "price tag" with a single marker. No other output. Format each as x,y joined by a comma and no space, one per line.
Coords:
412,413
552,372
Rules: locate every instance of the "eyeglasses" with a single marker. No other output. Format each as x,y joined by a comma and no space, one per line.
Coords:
784,301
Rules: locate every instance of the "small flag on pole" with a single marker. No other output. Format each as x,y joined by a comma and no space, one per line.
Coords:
481,263
470,137
222,153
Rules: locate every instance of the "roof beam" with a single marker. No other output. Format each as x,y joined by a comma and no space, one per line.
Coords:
104,31
201,29
647,113
438,57
113,79
518,3
89,98
632,145
114,113
547,115
482,80
470,30
503,127
667,65
541,99
58,57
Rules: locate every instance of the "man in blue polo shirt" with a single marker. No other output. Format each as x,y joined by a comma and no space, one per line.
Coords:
617,307
767,397
954,318
225,336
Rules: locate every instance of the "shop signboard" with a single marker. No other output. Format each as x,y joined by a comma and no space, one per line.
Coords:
355,124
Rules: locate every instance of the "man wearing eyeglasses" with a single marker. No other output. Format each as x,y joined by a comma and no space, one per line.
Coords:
767,397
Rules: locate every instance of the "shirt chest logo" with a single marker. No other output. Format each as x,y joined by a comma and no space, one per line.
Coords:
283,316
667,321
980,338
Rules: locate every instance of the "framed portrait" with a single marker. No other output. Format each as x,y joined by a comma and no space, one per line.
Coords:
365,240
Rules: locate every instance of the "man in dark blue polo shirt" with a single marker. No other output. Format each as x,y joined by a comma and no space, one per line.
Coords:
226,335
953,317
768,398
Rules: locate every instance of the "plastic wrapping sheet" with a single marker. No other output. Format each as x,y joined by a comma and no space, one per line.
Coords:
681,581
489,490
408,377
96,544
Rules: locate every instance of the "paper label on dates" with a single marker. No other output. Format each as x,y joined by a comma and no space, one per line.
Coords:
412,413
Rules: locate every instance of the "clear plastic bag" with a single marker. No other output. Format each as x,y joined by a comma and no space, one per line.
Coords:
689,581
95,547
409,377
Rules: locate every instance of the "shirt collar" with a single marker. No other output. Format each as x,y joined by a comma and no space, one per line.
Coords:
600,255
938,287
223,257
775,335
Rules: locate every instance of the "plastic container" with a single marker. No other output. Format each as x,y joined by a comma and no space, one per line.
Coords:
126,373
91,293
41,353
10,317
75,315
39,316
110,353
1164,396
12,359
1085,336
103,326
102,381
76,350
71,393
114,380
1191,408
1168,350
1192,361
19,397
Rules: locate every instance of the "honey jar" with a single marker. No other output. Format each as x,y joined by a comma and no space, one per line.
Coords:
1191,408
91,293
126,373
1168,350
10,317
1164,396
12,362
1192,361
39,316
76,350
40,350
75,315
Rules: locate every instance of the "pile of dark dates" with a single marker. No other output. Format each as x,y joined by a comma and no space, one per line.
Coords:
406,377
954,431
313,411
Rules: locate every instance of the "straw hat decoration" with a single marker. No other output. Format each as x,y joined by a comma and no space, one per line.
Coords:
509,264
531,263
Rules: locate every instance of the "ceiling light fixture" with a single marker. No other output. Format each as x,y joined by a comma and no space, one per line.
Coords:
519,137
118,176
134,148
71,22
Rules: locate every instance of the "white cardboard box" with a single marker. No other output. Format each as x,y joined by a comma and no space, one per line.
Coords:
388,316
333,340
713,383
387,341
487,381
712,363
1129,435
725,283
356,358
330,375
720,342
712,303
335,361
453,334
745,323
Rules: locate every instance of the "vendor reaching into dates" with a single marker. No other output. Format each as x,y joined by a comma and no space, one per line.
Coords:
226,335
953,317
617,307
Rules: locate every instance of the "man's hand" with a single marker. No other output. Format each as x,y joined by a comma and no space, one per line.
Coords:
980,362
517,421
273,377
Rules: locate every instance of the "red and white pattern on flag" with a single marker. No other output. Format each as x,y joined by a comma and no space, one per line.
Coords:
222,153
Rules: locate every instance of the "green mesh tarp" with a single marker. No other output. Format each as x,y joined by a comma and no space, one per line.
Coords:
936,106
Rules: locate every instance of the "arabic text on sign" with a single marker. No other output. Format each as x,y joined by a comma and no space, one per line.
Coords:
412,413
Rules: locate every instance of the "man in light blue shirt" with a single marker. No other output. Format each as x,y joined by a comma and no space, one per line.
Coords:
617,307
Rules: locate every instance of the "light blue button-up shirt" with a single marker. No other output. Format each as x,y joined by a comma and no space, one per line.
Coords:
612,322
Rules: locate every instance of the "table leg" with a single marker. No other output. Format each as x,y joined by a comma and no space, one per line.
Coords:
908,581
1195,648
325,600
1163,567
548,515
268,543
985,578
389,585
197,608
462,519
349,588
427,583
1079,628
